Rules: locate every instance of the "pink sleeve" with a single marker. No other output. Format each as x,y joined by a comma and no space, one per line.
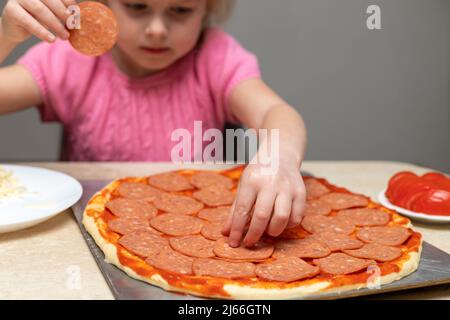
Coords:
49,68
228,65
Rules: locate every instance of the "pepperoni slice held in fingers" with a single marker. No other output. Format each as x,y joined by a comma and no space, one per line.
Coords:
179,204
205,179
171,261
365,217
317,208
341,263
315,189
128,225
193,246
219,214
315,224
223,269
177,224
214,196
301,248
138,191
257,253
143,243
389,236
170,181
286,269
337,241
212,230
98,31
122,207
340,201
376,252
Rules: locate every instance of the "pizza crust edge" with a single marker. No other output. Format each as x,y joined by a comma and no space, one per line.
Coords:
235,291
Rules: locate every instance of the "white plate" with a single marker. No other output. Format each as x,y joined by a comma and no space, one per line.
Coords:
47,194
411,214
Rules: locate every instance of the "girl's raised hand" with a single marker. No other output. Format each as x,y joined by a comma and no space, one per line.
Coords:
271,202
42,18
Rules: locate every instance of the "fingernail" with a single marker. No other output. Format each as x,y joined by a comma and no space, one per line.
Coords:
51,37
233,244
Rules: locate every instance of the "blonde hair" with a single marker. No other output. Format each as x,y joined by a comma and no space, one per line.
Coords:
218,11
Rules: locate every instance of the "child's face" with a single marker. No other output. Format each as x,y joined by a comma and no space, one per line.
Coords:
156,33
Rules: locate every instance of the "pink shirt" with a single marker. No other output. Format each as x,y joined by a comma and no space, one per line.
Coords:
108,116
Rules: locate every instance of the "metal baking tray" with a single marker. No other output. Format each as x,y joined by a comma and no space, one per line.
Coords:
434,268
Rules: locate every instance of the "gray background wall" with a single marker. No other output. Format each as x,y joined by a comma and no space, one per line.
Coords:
365,94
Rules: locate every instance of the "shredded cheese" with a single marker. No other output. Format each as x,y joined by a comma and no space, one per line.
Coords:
9,185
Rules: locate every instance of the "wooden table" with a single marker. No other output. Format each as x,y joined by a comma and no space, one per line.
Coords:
52,260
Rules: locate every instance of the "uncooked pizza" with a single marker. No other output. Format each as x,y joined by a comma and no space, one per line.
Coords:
165,229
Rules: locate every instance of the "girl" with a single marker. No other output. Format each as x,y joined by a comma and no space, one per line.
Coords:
168,69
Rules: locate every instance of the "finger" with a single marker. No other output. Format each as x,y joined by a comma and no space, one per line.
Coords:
242,185
45,16
227,226
261,217
298,208
32,26
68,3
58,8
244,203
281,215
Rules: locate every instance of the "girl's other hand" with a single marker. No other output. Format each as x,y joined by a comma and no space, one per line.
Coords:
278,200
42,18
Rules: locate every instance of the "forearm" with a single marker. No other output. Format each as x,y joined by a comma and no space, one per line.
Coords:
6,46
292,136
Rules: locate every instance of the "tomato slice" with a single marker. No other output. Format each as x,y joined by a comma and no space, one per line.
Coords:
408,203
435,202
434,176
400,186
399,176
397,179
404,195
441,180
